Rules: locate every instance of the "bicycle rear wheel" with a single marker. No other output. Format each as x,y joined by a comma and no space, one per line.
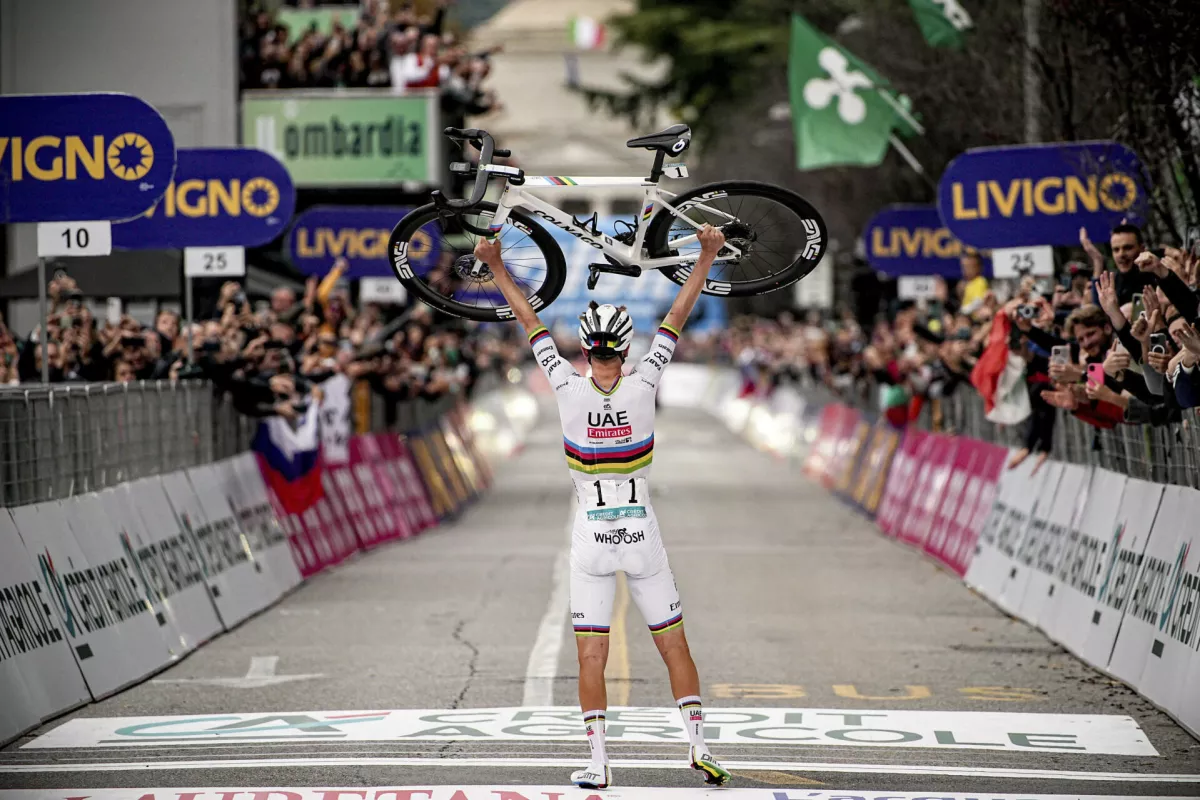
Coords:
432,255
780,235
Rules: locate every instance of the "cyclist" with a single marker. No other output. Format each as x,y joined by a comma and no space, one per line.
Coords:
608,434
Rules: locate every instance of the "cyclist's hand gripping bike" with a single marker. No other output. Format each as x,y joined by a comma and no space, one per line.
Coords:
773,237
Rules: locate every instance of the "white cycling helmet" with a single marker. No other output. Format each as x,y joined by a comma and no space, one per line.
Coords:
605,330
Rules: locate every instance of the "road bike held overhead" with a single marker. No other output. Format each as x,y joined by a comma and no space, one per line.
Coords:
773,237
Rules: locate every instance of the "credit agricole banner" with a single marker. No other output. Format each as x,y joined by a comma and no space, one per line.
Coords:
346,138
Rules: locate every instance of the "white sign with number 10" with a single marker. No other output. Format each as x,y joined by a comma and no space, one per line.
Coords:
74,238
214,262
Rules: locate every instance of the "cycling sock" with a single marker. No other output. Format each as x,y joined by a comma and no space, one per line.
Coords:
593,723
693,719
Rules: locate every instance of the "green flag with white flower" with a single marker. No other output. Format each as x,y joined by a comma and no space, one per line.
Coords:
840,113
943,22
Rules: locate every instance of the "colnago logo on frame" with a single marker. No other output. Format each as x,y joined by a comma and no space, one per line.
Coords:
956,730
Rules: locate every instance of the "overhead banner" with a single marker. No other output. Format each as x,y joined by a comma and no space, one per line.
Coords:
1041,194
348,137
911,240
220,196
322,234
81,157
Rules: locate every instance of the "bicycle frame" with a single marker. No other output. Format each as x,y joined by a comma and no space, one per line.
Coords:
653,198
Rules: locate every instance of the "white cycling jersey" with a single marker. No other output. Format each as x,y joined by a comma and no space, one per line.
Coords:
606,435
609,442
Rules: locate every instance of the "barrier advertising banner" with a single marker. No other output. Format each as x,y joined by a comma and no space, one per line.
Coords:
116,642
932,477
322,234
1005,523
363,455
38,676
1123,562
984,463
1041,194
875,466
911,240
898,492
242,483
219,196
1020,554
167,561
81,157
417,503
1156,647
1044,557
348,137
441,501
1068,615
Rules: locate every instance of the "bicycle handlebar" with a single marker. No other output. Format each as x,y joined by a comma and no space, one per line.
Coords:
487,151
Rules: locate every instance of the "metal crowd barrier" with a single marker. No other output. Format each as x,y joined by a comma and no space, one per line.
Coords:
61,440
1161,454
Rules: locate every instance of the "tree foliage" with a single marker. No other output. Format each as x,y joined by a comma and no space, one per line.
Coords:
1109,69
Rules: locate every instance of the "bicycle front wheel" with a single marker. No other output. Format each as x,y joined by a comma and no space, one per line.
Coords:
780,235
433,256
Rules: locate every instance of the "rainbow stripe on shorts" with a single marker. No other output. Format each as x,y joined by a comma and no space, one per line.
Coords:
591,630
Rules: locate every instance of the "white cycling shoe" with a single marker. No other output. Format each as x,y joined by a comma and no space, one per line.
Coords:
714,773
592,778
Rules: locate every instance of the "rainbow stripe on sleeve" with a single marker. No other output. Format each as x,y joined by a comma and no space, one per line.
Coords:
669,332
540,333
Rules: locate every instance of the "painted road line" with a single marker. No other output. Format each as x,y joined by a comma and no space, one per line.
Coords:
619,673
948,731
261,673
511,792
542,668
617,763
791,691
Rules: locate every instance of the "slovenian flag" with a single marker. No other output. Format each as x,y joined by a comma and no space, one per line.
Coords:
587,33
289,460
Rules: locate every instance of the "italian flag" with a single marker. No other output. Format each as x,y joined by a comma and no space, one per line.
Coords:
586,33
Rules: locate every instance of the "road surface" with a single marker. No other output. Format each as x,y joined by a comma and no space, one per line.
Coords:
831,659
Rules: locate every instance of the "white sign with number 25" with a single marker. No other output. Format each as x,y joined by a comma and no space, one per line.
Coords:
214,262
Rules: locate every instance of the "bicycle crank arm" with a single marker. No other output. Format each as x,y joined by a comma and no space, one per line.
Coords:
613,269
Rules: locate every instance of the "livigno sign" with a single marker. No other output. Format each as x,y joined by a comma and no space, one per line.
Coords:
347,137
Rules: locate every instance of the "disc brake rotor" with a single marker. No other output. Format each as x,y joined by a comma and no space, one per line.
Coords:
464,266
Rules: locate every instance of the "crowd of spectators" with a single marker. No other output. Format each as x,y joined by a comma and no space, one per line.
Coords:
269,356
1110,346
400,50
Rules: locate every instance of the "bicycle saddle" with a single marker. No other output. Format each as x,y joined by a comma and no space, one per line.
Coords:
673,140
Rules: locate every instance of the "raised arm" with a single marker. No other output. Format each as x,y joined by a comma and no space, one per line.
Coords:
488,251
711,241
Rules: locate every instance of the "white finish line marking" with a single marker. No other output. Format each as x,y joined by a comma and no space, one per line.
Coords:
618,763
947,731
261,673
